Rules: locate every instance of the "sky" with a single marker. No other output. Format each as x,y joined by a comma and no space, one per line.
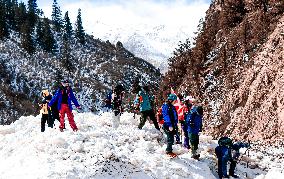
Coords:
98,151
122,13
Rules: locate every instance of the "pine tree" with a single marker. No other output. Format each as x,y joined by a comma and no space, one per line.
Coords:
58,78
39,33
10,12
79,31
20,16
68,31
32,12
66,57
179,63
48,39
4,32
56,17
26,37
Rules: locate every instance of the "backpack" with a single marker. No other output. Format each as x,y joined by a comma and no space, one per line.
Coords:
225,141
199,110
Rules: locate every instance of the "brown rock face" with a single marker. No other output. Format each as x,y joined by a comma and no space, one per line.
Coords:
250,104
256,108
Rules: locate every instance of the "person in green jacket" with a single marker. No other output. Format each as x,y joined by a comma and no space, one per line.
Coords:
144,100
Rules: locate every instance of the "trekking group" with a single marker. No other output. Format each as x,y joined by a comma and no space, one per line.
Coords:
178,116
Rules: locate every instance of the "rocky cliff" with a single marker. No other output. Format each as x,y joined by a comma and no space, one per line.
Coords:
236,71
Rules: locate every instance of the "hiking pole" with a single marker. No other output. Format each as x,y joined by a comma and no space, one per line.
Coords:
180,134
248,152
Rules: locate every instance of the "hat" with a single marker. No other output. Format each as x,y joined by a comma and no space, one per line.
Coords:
172,97
190,98
44,92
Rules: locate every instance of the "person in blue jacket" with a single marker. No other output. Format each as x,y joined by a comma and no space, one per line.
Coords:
108,100
64,96
144,100
170,122
227,151
194,123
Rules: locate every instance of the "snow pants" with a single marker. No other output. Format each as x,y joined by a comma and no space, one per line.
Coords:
222,166
170,140
194,141
151,115
116,119
186,138
66,110
46,118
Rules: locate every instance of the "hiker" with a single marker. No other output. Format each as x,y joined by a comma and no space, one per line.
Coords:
159,117
64,96
144,101
180,112
227,151
116,104
108,101
54,110
184,126
170,122
194,123
45,111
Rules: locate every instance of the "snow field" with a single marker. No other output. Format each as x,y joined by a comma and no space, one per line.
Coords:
99,151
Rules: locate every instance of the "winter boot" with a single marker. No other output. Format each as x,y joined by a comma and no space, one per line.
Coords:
171,154
196,156
234,176
115,121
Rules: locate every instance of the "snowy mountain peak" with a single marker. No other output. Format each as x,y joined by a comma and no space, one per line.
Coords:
154,43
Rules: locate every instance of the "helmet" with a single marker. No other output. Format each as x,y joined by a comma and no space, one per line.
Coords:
172,97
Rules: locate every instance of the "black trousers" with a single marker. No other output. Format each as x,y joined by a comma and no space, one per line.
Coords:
46,118
151,115
221,166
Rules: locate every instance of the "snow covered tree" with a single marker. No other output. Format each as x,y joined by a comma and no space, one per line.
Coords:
79,31
56,17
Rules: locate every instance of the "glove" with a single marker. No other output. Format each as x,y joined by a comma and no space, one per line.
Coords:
171,128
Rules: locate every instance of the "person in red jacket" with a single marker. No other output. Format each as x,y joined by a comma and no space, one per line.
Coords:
64,95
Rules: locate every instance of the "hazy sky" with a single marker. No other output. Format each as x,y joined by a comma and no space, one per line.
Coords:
124,12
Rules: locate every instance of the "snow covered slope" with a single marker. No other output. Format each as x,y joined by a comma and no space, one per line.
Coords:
98,66
99,151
